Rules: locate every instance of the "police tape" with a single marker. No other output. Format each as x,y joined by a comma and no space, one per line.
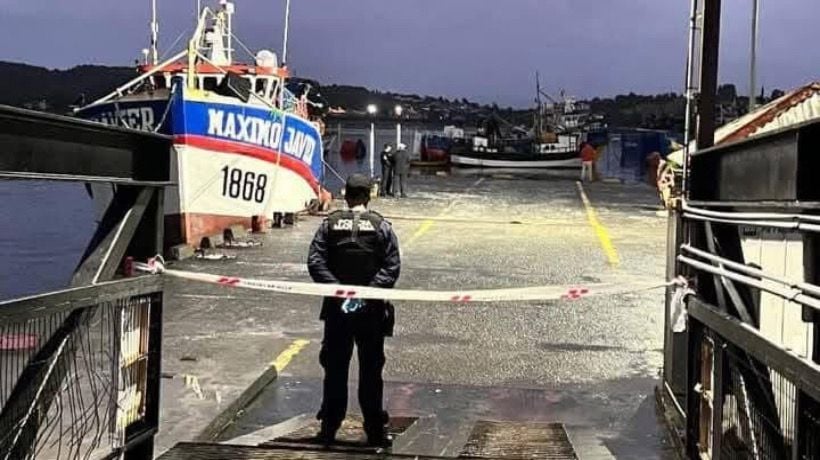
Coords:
535,293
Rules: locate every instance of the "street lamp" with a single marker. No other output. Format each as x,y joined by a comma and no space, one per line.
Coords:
372,110
398,110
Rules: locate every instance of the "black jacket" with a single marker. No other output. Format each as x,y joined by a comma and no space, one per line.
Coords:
387,257
402,161
387,158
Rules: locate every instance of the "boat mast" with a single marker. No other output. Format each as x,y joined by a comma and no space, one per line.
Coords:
539,127
287,30
154,33
229,9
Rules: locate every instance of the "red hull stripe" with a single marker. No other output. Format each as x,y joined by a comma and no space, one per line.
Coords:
259,153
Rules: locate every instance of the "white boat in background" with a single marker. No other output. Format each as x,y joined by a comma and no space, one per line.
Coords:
560,152
244,146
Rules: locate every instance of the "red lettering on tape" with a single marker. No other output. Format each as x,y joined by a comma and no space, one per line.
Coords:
575,293
228,281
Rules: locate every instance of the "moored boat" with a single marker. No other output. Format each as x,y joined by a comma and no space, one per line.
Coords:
560,152
244,146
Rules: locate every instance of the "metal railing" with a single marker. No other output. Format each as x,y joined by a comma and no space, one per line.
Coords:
744,377
79,370
753,398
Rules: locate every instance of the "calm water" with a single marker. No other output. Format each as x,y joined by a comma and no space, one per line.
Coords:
44,229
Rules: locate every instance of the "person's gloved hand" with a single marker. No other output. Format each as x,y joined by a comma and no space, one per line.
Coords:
352,305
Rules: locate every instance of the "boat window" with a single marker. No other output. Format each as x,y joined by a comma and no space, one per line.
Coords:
274,90
261,87
210,83
159,81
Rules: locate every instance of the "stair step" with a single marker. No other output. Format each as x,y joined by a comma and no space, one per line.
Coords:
518,441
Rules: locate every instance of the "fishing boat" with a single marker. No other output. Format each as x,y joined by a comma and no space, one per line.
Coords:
244,145
552,142
559,152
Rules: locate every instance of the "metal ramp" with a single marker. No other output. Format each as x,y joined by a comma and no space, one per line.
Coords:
487,440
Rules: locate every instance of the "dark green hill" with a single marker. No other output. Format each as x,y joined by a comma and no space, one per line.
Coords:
54,90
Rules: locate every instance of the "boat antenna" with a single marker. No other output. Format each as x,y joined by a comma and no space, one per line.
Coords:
198,9
154,33
287,30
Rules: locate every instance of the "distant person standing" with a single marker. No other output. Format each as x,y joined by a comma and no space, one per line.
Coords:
588,155
402,168
361,151
387,160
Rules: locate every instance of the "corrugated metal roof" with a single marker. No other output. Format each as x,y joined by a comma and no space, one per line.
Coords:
797,106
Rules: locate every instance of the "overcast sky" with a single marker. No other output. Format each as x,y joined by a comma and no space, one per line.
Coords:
480,49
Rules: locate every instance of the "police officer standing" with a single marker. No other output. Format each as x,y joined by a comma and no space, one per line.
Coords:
355,247
386,157
402,160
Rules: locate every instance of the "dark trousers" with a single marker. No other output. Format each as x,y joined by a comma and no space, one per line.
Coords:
341,332
401,179
387,180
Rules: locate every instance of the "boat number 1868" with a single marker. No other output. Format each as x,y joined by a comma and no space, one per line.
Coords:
243,184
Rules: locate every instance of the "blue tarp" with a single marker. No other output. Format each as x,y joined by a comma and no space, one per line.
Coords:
624,152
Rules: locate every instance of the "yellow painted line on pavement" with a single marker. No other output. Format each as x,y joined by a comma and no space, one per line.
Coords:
423,228
427,224
284,358
600,230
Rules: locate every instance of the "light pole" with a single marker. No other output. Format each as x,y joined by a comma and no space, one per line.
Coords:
398,111
753,63
372,110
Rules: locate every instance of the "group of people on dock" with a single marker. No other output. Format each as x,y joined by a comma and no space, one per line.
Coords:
395,168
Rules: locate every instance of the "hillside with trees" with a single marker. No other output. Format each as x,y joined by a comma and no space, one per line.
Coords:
39,88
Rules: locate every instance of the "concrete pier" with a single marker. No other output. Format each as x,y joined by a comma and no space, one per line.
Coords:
591,364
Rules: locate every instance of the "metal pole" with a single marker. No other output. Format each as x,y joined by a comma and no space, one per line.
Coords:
753,64
154,33
372,146
398,134
229,13
710,53
690,67
287,30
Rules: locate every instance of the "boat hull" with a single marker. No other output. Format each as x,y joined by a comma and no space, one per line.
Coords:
510,161
232,161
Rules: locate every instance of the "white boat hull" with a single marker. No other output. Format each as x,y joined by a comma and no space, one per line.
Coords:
530,164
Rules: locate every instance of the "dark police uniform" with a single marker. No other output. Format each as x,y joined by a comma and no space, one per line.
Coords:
401,169
357,248
387,173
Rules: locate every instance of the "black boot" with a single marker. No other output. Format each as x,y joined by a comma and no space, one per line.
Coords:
326,436
379,438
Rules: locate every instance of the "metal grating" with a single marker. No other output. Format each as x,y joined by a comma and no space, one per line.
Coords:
518,441
194,451
350,434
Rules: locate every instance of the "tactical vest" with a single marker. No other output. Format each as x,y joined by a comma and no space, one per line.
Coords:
355,250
